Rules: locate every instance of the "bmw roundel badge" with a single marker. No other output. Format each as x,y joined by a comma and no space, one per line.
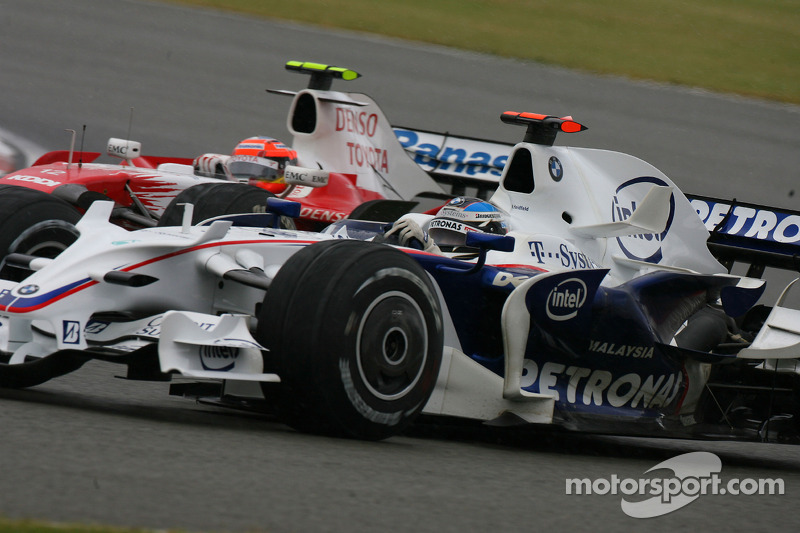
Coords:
556,170
28,289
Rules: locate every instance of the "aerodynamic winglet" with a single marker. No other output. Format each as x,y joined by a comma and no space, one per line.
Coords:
651,217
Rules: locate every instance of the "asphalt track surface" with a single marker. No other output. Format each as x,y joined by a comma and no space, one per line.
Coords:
91,448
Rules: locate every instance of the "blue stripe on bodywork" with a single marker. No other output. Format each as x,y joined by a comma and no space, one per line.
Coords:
20,303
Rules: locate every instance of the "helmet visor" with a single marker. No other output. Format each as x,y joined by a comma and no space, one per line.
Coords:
251,167
448,232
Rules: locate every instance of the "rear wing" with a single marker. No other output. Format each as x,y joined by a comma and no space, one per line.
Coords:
757,235
460,165
348,133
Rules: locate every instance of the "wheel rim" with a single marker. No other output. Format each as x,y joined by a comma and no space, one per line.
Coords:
392,343
45,239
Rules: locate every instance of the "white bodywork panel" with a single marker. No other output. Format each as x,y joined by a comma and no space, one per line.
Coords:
353,136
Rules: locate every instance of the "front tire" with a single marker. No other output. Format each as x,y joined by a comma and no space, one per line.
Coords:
354,331
34,223
215,199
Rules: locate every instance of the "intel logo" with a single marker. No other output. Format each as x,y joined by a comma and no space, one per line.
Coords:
565,299
218,358
644,247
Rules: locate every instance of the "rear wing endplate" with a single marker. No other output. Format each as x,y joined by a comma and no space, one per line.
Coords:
758,235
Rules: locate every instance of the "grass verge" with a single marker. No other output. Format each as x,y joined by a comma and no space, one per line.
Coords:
747,47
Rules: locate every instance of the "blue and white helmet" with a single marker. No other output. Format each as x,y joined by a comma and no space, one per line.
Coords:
462,215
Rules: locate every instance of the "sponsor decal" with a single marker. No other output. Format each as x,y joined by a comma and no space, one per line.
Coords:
571,259
555,168
28,289
645,247
250,146
152,328
452,213
218,358
306,176
439,223
624,350
361,123
300,191
71,332
587,386
323,215
520,207
95,327
120,147
253,159
565,299
431,154
368,156
751,222
38,180
503,279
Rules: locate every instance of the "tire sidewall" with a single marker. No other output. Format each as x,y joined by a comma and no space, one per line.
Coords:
355,398
321,294
214,199
28,218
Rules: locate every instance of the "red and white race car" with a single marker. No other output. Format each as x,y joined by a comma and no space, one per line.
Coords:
348,157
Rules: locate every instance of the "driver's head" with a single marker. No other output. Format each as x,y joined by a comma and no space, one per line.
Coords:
258,160
461,215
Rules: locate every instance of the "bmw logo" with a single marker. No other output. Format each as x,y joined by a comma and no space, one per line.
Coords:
556,170
28,289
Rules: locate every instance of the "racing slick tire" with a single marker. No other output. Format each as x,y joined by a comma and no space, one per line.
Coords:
215,199
34,223
354,330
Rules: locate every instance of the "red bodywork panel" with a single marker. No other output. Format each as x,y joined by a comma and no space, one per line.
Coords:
335,201
110,180
320,206
145,161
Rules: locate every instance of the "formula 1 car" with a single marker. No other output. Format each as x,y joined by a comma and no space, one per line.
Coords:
601,310
348,158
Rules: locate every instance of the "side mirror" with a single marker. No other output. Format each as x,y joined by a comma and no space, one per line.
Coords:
281,207
124,149
484,242
490,241
307,177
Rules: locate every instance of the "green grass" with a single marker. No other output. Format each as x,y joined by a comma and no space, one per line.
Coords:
31,526
747,47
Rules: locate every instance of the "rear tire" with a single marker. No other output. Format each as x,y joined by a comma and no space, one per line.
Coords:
354,330
215,199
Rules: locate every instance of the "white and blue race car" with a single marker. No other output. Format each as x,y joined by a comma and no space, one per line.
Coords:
601,310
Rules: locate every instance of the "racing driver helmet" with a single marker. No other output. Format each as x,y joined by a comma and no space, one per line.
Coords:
261,161
461,215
